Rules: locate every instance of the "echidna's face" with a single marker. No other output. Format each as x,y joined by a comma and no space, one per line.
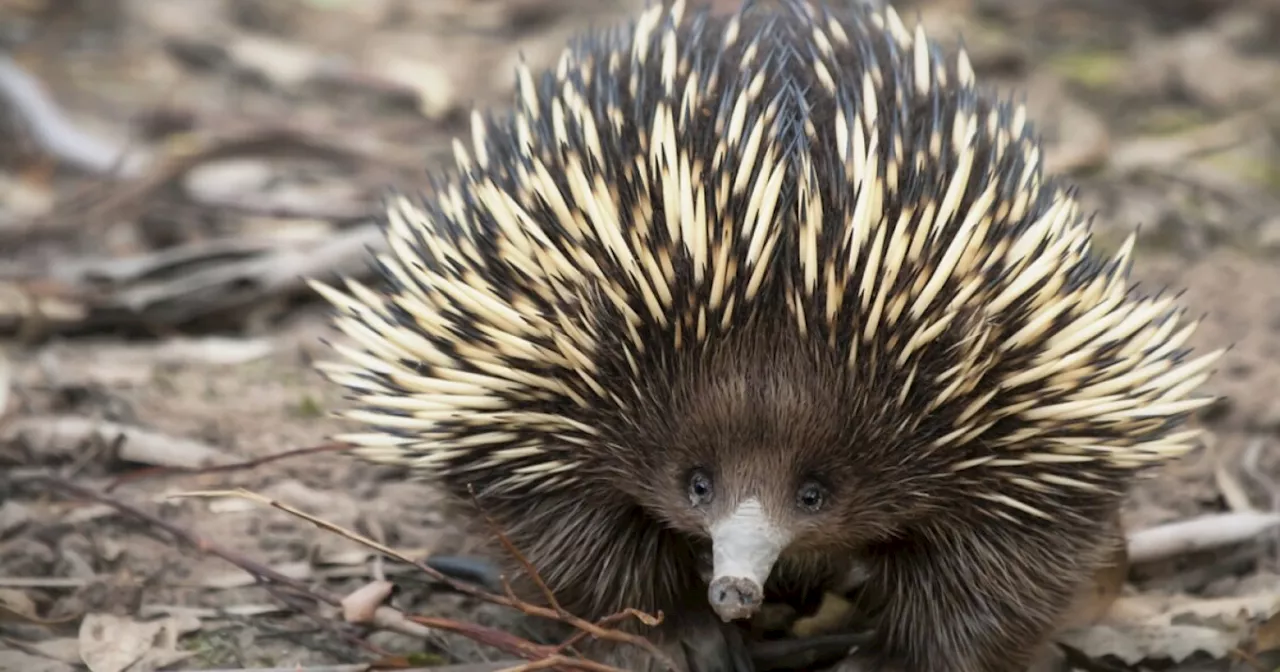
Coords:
762,453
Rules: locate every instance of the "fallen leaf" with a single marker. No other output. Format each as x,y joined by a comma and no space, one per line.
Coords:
360,604
13,515
111,643
436,96
284,64
15,606
213,350
1136,643
24,199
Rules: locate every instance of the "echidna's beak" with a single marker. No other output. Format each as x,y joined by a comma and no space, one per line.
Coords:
745,545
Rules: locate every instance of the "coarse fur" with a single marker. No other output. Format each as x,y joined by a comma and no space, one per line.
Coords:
781,247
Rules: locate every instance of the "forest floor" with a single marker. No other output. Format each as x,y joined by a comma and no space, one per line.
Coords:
152,316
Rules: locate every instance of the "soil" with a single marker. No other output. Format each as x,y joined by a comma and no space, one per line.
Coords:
1166,114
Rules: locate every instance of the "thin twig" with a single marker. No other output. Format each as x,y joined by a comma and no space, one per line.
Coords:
584,627
385,617
606,622
510,601
365,667
557,660
152,472
519,557
54,132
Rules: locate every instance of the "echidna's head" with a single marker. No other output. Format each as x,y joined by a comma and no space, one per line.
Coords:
765,447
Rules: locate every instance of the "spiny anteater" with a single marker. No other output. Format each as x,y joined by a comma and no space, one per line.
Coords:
727,304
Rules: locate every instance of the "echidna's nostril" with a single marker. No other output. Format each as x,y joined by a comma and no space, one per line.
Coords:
734,597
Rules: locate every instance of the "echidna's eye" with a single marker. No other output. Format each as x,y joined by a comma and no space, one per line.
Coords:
811,496
700,489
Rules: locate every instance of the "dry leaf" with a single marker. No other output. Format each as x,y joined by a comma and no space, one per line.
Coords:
1164,627
13,515
15,606
284,64
358,607
1136,643
212,350
436,96
116,644
1230,611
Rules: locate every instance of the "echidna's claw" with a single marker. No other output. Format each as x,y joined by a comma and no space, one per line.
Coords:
820,651
715,647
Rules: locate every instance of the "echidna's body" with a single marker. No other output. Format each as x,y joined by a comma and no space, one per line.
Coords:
788,285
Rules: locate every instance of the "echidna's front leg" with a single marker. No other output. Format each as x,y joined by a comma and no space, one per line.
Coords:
711,646
692,643
964,601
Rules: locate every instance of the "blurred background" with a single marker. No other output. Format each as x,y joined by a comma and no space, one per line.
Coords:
170,170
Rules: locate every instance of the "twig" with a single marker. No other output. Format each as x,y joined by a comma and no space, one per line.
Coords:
471,591
53,132
509,643
152,472
1198,534
274,139
65,435
557,660
364,667
261,207
240,493
256,569
385,617
606,622
159,290
519,557
584,627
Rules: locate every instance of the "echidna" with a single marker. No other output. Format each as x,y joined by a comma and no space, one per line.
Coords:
726,304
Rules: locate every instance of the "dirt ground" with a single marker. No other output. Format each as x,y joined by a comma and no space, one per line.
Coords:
150,314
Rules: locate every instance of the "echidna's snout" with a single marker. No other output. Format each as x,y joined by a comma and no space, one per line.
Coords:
745,544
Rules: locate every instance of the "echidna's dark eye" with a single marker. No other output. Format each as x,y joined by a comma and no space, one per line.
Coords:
700,489
811,496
